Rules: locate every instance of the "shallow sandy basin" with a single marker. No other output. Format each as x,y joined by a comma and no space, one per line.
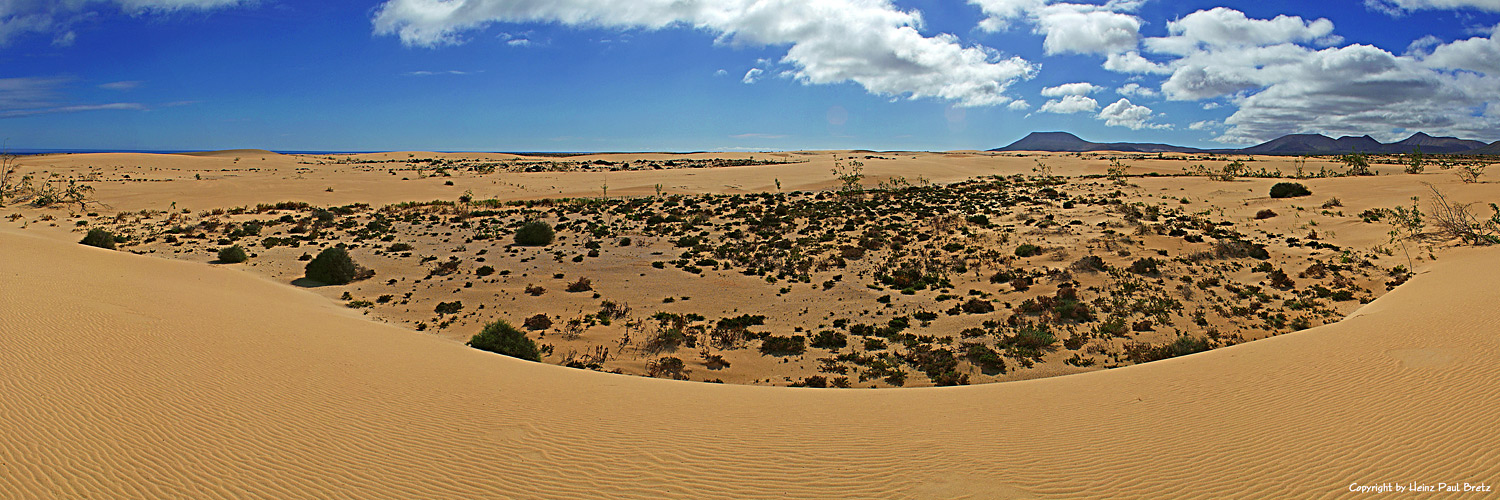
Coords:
132,377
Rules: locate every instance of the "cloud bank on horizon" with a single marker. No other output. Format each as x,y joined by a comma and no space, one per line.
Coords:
1283,75
1124,64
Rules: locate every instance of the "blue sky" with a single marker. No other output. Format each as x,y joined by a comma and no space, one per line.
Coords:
639,75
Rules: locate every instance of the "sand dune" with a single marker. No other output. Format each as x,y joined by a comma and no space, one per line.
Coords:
132,377
234,153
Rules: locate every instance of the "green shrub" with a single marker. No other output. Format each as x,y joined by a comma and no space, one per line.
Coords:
985,358
1031,341
501,338
1289,190
1114,327
1184,345
449,307
99,238
233,255
535,234
666,367
334,266
1146,266
484,271
829,339
783,346
1027,250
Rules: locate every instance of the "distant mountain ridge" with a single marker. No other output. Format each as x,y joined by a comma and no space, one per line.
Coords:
1492,149
1294,144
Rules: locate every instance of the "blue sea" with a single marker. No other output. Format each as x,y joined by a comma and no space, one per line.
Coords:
289,152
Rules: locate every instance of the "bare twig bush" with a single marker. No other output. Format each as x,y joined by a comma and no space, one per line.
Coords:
1469,174
1455,220
10,186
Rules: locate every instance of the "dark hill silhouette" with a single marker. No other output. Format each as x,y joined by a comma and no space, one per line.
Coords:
1066,142
1430,144
1492,149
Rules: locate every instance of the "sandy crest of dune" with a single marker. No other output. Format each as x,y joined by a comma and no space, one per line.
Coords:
131,377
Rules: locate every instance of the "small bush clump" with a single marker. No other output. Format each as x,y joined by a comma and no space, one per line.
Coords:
1090,264
582,285
99,238
334,267
1031,341
233,255
1028,250
666,367
1184,345
1146,266
1289,190
1235,249
1279,279
783,346
985,358
501,338
978,306
829,339
538,322
535,234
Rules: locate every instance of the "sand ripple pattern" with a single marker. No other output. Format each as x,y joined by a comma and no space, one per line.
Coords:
130,377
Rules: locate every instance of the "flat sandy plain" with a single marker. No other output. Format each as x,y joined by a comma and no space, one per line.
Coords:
135,376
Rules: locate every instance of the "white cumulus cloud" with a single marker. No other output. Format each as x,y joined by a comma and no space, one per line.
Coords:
1223,27
1135,89
1133,62
869,42
1070,104
1080,88
1069,27
1124,114
1400,7
1480,54
1087,29
1360,89
1280,80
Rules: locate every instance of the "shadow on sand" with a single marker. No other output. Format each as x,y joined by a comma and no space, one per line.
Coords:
308,283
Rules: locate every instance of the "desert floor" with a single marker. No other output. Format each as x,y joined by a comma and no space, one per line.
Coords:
140,376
